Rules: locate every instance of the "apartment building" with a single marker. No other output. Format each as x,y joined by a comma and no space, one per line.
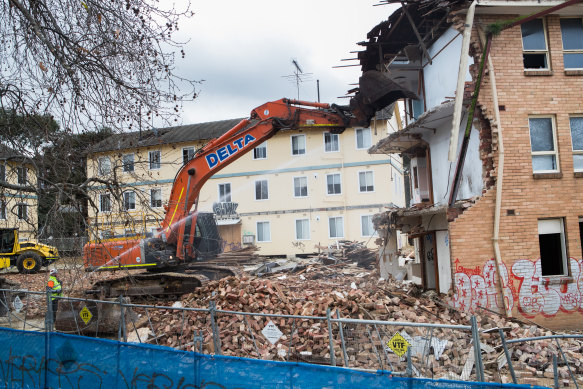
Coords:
18,209
295,192
496,221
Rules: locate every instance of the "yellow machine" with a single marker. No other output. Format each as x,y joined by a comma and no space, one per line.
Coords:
27,256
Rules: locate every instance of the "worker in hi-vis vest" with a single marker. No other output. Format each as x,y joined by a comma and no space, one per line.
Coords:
54,286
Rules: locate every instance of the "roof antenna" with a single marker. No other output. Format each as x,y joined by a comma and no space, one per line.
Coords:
298,76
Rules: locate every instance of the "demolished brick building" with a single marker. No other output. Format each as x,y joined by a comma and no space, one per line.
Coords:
496,212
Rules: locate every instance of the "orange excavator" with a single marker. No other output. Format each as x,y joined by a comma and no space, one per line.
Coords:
175,254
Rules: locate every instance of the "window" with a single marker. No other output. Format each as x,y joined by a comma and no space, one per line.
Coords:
365,181
543,145
22,212
333,184
302,229
577,142
260,152
261,192
155,159
572,34
104,166
224,193
187,154
534,45
553,253
2,210
336,227
127,161
263,232
298,144
300,186
105,202
129,200
21,172
2,172
331,142
363,138
366,226
156,198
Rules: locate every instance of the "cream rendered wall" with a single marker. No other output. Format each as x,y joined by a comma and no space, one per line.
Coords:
281,209
11,198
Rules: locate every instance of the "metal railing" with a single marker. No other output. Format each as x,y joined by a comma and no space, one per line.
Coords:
436,351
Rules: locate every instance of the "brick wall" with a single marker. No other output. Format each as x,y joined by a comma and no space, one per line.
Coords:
556,302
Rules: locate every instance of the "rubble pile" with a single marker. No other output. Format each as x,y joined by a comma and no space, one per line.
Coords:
360,295
349,251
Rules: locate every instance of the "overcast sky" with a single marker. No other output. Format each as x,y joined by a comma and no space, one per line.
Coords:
244,49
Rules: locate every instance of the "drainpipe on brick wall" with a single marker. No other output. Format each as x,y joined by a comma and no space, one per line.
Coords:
461,79
499,181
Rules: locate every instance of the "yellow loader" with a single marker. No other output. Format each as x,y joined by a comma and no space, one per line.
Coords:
27,256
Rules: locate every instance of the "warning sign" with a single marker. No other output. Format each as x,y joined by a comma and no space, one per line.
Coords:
398,344
271,332
85,315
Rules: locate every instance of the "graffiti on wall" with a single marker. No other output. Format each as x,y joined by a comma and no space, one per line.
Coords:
478,287
524,287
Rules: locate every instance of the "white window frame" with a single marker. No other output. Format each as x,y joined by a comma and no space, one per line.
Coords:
546,51
101,167
21,175
575,152
257,230
362,130
374,232
296,228
128,192
157,190
152,162
570,51
23,206
556,225
101,196
123,164
333,194
373,186
337,142
262,146
294,186
342,232
303,151
186,154
555,152
229,195
255,189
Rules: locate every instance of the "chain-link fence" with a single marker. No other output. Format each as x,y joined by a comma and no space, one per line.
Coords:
422,350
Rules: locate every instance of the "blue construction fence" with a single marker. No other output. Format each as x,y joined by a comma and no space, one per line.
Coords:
53,360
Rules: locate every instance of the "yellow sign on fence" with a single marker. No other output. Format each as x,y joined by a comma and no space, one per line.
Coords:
85,315
398,344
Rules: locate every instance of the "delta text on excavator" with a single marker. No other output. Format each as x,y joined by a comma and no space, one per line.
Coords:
176,246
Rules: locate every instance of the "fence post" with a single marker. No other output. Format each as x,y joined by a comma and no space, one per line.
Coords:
477,349
331,340
556,371
409,363
49,316
121,333
508,356
344,354
216,337
48,329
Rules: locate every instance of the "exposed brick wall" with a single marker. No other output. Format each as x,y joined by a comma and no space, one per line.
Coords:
558,304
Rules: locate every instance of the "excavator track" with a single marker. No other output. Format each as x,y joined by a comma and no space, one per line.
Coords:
163,285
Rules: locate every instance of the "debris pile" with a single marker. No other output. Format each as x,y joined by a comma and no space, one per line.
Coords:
349,251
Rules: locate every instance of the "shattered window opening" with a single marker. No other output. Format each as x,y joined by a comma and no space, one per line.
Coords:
572,36
543,144
576,123
534,45
553,253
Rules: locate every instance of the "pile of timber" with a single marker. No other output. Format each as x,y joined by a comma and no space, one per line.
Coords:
349,251
354,294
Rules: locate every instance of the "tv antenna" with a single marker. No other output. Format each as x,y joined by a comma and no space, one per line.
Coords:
298,76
